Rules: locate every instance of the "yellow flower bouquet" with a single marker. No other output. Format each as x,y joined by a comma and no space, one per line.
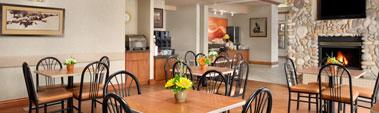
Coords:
179,84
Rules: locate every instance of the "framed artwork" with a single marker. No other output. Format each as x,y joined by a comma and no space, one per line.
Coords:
281,35
258,27
128,17
216,28
158,18
31,20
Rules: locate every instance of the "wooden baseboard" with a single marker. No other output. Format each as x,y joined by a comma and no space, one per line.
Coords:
283,56
14,102
263,63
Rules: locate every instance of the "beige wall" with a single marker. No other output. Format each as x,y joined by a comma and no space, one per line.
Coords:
94,27
264,49
132,7
161,5
184,27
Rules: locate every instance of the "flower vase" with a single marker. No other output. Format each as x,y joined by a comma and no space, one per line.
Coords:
213,58
181,96
203,67
70,68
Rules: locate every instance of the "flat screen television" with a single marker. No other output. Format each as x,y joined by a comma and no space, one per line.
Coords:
342,9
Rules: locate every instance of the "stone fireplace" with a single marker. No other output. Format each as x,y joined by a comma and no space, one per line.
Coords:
305,33
346,49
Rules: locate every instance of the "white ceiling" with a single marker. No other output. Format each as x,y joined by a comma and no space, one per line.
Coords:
192,2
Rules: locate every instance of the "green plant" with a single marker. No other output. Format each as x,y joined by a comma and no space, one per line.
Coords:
70,61
204,61
213,53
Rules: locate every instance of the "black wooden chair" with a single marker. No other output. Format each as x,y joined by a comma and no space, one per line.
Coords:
223,53
294,87
106,61
198,56
368,95
96,73
239,80
259,102
186,70
121,83
190,58
113,103
169,63
336,92
236,59
49,63
222,61
214,80
45,98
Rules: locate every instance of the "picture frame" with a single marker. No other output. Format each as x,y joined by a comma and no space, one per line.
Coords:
258,27
282,35
22,20
158,18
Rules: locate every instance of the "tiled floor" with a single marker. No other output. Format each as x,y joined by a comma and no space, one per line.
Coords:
268,74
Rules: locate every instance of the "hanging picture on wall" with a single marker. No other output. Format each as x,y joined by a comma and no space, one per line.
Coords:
216,28
158,18
281,35
258,27
30,20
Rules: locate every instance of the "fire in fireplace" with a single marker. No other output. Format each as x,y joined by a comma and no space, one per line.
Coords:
347,50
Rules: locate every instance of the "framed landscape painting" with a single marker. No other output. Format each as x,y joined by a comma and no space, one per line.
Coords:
258,27
30,20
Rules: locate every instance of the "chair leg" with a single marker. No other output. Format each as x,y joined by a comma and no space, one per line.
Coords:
289,102
344,107
62,106
339,107
316,103
309,102
79,106
356,105
45,108
92,105
30,106
37,108
298,98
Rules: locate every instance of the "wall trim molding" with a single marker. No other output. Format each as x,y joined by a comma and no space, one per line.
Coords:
283,56
263,63
271,2
16,61
14,102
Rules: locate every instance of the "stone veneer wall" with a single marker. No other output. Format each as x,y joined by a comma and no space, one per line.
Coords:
304,29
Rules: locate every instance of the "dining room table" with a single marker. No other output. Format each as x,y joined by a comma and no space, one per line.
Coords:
196,70
314,71
57,73
196,102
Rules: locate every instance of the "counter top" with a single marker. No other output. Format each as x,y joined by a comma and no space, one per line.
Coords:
165,56
137,51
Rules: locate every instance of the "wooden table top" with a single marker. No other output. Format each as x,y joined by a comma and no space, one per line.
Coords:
375,108
196,102
196,70
60,72
315,70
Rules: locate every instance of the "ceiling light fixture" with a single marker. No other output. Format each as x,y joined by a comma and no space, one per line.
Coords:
232,13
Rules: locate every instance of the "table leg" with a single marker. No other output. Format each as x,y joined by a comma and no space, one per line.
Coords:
70,102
